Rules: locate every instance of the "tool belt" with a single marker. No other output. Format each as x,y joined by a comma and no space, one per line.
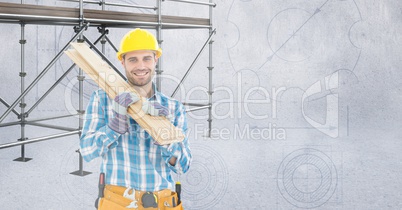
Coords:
121,198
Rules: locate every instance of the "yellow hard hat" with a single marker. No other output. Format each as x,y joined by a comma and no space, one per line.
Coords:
138,39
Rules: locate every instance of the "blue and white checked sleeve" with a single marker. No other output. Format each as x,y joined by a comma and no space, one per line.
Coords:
97,138
180,150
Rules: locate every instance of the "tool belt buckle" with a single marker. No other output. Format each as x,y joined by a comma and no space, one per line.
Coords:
133,205
126,194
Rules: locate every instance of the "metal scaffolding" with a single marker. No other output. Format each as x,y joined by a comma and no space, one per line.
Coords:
82,19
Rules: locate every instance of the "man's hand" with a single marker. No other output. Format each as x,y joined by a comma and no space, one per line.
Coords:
155,109
119,122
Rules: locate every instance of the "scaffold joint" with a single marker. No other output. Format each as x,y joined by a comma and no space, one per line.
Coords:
78,28
80,78
25,116
102,30
22,139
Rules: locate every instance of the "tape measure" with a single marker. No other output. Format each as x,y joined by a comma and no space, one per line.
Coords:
149,200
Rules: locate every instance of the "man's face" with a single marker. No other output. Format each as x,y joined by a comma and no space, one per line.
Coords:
139,66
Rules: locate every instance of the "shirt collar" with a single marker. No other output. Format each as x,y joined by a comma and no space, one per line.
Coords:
156,96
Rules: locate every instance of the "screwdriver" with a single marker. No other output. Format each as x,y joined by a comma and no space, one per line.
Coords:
178,191
101,186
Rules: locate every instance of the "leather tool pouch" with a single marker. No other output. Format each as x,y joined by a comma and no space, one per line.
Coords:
116,201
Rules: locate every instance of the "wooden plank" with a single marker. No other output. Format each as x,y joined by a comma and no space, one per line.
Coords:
185,20
27,9
96,15
159,128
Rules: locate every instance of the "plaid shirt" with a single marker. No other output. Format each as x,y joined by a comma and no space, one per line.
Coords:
132,159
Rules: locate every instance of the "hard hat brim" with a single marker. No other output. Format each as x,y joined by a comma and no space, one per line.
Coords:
158,53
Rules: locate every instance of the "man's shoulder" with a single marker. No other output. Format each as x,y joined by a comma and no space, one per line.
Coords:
169,99
100,94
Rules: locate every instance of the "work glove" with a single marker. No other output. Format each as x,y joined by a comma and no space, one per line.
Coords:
119,122
156,109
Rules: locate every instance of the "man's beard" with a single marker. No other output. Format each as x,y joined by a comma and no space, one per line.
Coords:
132,81
140,83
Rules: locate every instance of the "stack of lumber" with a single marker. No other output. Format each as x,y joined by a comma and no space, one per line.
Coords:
160,128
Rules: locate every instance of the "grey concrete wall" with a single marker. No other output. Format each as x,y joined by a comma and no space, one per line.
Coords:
307,108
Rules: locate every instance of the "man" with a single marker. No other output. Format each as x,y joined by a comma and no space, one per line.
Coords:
137,169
